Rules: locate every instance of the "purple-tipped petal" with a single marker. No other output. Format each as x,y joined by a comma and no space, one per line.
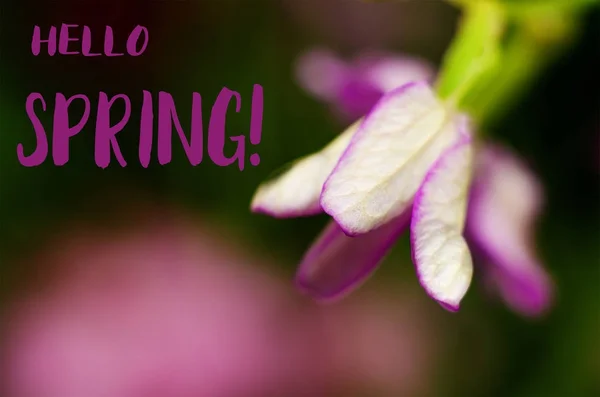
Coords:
352,88
505,201
377,176
371,75
526,288
296,192
356,97
336,264
440,253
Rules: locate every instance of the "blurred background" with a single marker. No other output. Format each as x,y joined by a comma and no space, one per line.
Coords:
144,282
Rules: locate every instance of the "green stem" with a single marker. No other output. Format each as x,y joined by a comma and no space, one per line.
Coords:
534,43
473,51
498,51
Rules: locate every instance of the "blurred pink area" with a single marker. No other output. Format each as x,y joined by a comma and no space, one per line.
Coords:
383,341
170,309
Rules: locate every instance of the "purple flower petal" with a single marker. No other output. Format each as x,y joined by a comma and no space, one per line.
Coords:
525,287
505,201
356,97
440,253
336,264
353,88
371,75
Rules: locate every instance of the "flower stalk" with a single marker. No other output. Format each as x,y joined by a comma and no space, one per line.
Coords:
500,48
474,51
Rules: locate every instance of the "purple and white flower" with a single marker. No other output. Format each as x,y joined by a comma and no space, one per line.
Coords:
409,164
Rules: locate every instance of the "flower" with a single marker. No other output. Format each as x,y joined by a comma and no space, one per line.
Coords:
410,147
409,164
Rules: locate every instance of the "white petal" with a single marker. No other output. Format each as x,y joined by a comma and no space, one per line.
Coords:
387,159
440,253
297,191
